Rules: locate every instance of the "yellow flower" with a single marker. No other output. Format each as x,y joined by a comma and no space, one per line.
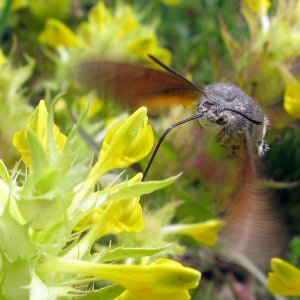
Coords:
38,123
164,279
125,143
95,104
127,217
291,94
16,4
204,232
124,215
3,58
285,278
258,6
56,34
171,2
45,9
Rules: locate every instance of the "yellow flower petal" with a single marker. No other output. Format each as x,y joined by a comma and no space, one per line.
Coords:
38,122
285,278
56,34
126,215
124,144
204,232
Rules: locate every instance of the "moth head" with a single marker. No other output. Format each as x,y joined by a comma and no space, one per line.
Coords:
213,111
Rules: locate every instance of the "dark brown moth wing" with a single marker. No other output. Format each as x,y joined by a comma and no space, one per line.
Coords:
136,85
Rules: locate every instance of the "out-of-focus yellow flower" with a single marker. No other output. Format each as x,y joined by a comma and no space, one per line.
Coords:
56,34
38,123
291,94
124,144
258,6
171,2
273,39
285,278
42,10
3,58
120,35
16,4
95,104
204,232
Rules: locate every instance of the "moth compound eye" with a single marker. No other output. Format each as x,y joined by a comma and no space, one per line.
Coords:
206,105
221,121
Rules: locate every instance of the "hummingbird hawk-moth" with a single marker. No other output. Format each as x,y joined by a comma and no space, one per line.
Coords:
237,122
223,107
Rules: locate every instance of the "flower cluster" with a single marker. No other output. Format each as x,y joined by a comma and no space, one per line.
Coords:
104,34
52,215
261,62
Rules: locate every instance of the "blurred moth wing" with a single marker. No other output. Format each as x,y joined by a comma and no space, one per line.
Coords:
136,85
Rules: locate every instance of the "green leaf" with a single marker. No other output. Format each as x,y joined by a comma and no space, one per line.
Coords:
37,153
123,253
140,188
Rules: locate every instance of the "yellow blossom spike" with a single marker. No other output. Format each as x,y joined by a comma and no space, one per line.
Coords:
204,232
38,123
285,278
56,34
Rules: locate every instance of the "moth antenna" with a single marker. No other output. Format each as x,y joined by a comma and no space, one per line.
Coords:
177,74
197,116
